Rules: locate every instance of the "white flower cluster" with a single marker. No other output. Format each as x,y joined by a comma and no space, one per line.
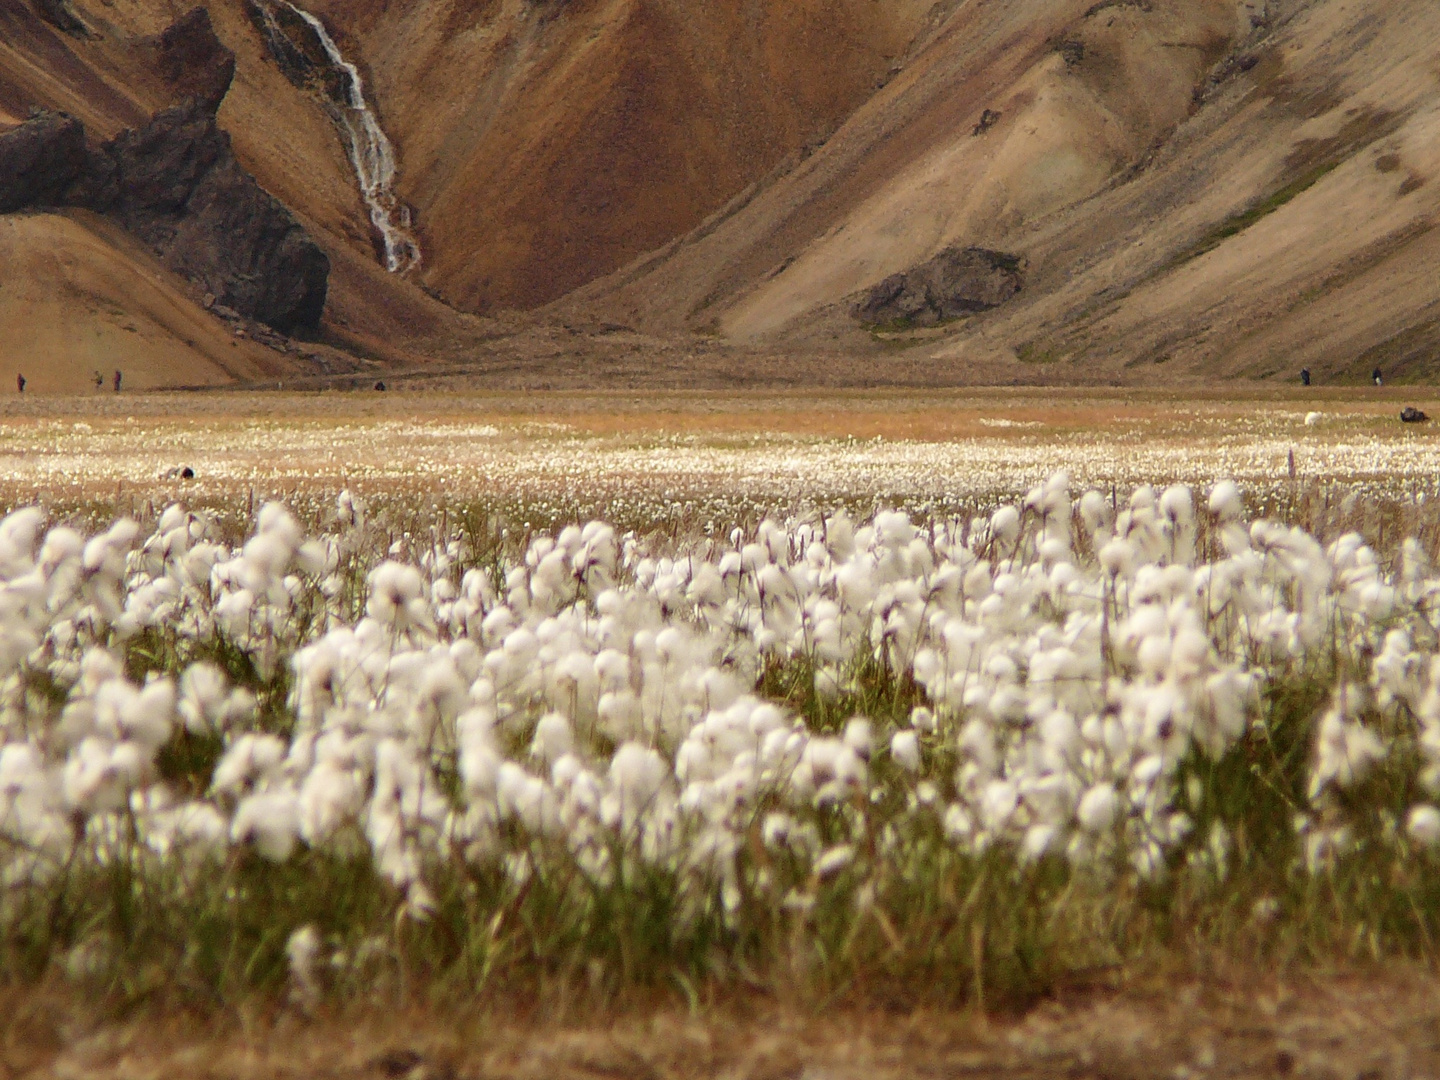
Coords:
601,704
962,450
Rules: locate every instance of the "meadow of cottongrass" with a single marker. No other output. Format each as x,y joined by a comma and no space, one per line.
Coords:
962,757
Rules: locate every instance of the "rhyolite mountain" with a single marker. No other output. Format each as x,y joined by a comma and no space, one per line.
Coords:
174,184
1012,190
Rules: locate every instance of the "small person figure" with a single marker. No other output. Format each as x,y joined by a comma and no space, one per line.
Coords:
20,383
1375,376
117,380
1304,376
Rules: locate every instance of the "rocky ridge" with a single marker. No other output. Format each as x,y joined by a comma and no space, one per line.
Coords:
1200,189
59,15
40,160
959,281
175,184
192,60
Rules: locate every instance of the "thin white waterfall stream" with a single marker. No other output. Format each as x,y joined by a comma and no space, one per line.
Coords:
369,148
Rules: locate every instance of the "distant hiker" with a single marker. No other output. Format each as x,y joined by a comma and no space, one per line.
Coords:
117,380
20,383
1304,376
1375,376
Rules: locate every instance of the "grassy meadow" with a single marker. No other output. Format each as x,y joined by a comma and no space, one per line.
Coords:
322,699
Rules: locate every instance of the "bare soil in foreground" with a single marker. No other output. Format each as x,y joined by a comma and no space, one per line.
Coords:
1350,1026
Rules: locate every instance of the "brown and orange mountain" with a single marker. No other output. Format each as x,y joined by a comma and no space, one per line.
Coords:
1194,188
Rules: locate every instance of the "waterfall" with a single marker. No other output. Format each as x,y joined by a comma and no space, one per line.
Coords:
369,148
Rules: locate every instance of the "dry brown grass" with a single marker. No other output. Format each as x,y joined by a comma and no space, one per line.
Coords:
928,413
576,452
1234,1023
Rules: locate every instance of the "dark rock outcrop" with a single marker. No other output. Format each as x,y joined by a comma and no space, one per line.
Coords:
175,183
1412,415
39,160
959,281
296,49
988,119
58,14
193,60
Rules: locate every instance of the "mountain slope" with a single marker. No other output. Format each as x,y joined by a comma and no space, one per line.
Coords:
1184,189
1196,189
107,77
80,296
544,144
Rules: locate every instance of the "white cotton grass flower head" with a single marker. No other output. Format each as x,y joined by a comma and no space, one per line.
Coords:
1225,501
834,860
270,820
1005,524
905,749
207,702
553,738
396,597
1423,825
1345,749
638,776
1098,808
302,953
252,757
923,719
860,736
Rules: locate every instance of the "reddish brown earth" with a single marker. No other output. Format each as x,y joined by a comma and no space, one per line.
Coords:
541,145
696,192
109,82
1199,190
1327,1027
546,144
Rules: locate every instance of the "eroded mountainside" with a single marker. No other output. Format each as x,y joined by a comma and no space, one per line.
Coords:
546,143
1194,189
1165,189
87,296
537,145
